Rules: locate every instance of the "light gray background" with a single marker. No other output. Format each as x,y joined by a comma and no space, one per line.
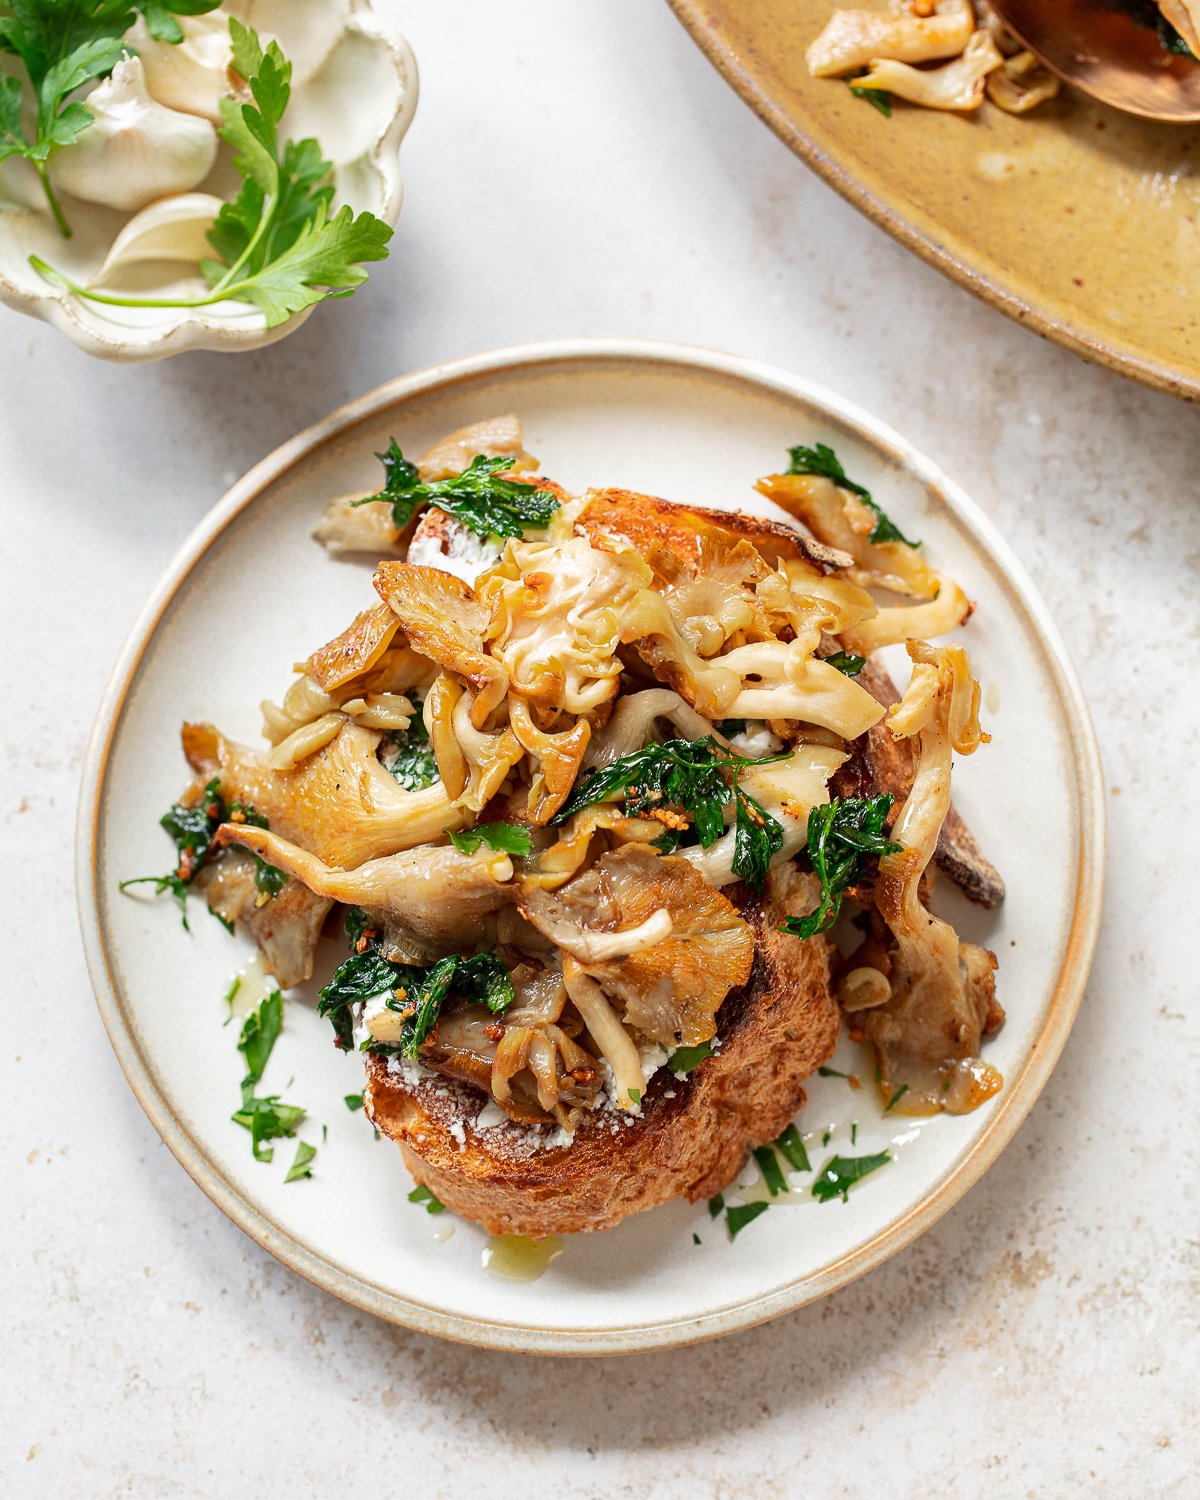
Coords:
579,169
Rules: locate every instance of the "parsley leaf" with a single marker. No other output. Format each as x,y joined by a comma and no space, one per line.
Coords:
267,1120
300,1163
423,1195
715,1205
847,662
840,1173
744,1213
414,765
486,980
688,1059
479,497
842,835
792,1146
260,1032
353,1102
160,16
689,774
772,1172
506,838
879,98
824,462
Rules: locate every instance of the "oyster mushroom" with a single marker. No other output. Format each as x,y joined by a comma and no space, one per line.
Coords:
1021,84
853,38
957,85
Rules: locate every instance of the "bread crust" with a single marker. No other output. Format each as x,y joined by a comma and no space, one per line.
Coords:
693,1133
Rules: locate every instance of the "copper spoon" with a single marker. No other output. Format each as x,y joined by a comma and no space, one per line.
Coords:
1097,46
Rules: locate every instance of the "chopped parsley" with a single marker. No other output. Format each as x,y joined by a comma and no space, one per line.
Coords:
824,1072
715,1205
635,1095
824,462
414,764
842,835
267,1120
699,777
792,1146
423,1195
416,993
353,1102
879,98
840,1173
480,497
300,1167
506,838
687,1059
357,925
695,1238
847,662
260,1032
772,1172
896,1098
744,1213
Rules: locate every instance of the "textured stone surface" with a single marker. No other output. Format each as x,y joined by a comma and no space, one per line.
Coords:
580,170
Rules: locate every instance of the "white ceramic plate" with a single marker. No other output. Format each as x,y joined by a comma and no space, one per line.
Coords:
691,426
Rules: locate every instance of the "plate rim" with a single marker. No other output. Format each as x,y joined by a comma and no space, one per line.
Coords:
1010,1110
1160,375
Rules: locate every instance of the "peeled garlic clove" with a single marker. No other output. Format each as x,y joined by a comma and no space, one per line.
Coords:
135,150
175,229
191,75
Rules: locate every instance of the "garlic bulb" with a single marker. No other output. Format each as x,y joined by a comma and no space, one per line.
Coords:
191,75
135,150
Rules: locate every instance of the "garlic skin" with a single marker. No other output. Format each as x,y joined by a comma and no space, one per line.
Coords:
192,75
135,150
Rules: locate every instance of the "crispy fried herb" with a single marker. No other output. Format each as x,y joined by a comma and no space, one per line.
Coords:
744,1213
842,835
792,1146
840,1173
507,838
823,461
415,765
879,98
260,1032
772,1172
700,778
300,1163
277,245
423,1195
480,497
416,993
687,1059
353,1102
847,662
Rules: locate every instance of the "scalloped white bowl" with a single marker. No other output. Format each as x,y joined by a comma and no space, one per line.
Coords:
354,88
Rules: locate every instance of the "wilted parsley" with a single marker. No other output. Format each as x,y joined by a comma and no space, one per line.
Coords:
480,497
842,835
846,662
412,761
701,778
823,461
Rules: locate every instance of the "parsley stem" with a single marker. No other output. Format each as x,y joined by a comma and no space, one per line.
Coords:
221,293
52,199
264,224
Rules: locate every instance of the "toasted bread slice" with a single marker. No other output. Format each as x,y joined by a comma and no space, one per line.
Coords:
693,1133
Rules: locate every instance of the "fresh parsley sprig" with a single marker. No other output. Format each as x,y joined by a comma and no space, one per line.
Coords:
277,245
824,462
842,835
700,777
480,497
266,1118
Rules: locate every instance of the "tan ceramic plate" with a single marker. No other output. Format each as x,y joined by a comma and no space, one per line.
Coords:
1079,221
250,592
